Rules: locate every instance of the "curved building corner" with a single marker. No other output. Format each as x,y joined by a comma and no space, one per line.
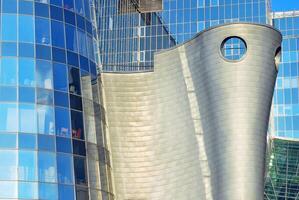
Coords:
195,127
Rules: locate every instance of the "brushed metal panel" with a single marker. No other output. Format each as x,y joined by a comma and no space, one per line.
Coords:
195,128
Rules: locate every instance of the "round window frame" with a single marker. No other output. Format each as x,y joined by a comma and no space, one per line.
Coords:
223,43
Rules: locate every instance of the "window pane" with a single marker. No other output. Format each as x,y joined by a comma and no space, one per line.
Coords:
27,166
8,71
60,77
27,141
27,94
74,81
28,190
26,72
44,96
65,168
82,44
77,125
80,170
27,118
44,75
26,28
62,120
71,38
79,7
57,30
42,31
46,167
63,145
8,140
68,4
8,189
8,116
8,167
48,191
66,192
9,27
45,120
8,93
46,143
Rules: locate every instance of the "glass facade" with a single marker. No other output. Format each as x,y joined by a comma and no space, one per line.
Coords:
129,37
282,180
52,143
286,99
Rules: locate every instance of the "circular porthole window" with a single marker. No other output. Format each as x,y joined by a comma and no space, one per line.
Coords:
233,48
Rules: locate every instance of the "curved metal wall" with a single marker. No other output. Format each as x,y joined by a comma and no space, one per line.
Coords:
195,128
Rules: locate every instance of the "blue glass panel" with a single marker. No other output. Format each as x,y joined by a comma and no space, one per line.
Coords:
41,10
46,143
68,4
56,13
79,7
8,71
26,94
9,6
26,72
26,141
61,99
65,168
63,145
296,123
43,52
69,17
9,49
42,31
25,7
48,191
8,167
26,31
9,27
8,93
56,2
27,165
66,192
71,38
57,30
80,22
44,74
72,59
45,120
44,96
27,118
60,77
82,45
87,10
62,119
58,55
8,189
26,50
8,140
47,167
28,190
8,116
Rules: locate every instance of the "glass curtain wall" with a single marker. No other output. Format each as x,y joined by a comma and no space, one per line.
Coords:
129,38
50,144
286,99
282,181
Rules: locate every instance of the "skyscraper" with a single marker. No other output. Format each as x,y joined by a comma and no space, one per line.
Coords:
51,140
